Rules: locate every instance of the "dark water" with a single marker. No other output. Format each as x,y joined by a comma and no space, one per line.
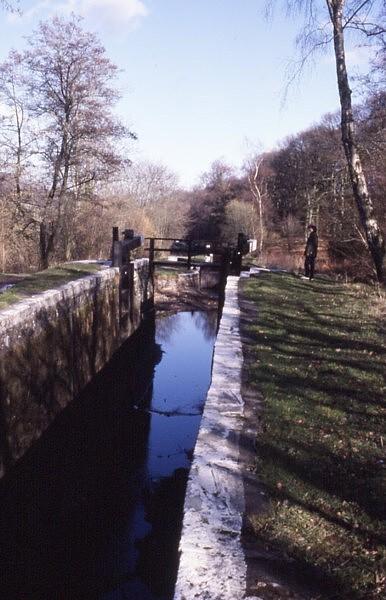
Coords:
94,509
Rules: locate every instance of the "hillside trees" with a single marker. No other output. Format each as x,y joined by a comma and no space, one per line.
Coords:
146,198
148,183
310,182
306,180
343,15
63,131
153,188
207,216
309,175
374,236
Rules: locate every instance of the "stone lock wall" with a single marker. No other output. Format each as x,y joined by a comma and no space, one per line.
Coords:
177,283
52,345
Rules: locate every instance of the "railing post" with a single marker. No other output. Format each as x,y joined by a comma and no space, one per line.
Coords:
128,234
115,248
151,256
189,254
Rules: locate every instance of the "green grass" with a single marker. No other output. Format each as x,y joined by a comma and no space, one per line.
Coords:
44,280
319,357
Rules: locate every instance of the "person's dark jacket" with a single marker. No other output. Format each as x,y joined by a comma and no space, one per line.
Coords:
312,245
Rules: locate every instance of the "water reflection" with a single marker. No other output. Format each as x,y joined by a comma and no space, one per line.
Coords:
94,509
205,322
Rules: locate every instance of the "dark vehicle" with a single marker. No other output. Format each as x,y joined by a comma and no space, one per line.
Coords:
197,247
179,246
201,247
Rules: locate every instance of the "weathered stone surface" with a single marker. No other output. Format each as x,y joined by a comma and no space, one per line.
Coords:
176,283
183,291
212,564
52,344
209,278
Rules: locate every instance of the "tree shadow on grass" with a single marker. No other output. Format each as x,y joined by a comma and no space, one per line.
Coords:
308,330
341,477
349,479
355,391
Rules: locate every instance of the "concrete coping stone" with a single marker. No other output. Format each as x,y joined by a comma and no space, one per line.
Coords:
212,564
26,308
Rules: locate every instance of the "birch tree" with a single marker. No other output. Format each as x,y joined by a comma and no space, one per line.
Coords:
258,184
344,15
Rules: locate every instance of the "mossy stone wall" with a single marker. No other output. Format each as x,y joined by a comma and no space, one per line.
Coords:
52,345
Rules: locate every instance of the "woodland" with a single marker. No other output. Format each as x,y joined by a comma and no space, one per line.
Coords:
67,176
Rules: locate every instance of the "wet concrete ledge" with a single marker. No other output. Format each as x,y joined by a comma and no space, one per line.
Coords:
52,345
212,563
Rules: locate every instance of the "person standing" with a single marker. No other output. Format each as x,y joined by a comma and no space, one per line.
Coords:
310,252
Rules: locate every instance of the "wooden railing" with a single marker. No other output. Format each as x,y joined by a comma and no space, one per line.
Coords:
186,250
224,255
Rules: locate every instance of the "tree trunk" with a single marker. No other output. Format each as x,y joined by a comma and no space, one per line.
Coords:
256,192
46,244
261,222
308,215
362,198
3,253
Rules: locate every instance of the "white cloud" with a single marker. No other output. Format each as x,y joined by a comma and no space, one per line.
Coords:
117,11
108,11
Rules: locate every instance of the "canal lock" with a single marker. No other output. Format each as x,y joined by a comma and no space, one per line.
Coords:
94,508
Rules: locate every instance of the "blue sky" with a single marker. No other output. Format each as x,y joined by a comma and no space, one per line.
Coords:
202,79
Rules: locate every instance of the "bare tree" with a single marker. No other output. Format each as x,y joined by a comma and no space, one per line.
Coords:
10,5
241,216
149,183
207,213
16,132
148,194
361,15
257,179
68,81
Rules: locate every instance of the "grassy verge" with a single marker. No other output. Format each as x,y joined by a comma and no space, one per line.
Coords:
319,357
44,280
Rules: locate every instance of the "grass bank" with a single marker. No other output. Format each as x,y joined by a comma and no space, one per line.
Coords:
34,283
318,355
